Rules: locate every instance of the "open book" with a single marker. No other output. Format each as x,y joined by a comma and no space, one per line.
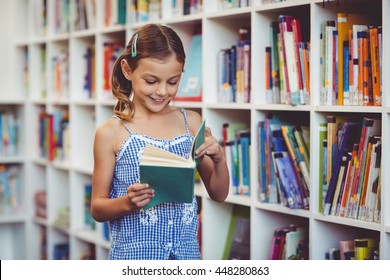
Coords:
171,176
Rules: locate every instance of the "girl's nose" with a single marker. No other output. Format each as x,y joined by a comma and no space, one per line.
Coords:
162,90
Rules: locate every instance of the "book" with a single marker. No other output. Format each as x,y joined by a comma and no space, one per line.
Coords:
288,178
171,176
373,184
244,158
191,84
237,246
293,239
340,183
323,130
345,246
374,57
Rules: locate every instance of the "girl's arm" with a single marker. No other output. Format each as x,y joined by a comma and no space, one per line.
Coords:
103,207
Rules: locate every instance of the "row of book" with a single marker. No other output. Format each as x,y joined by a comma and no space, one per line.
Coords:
39,9
186,7
111,51
290,243
284,162
62,16
84,14
350,165
9,127
287,72
10,188
233,4
40,204
237,148
54,142
355,249
115,12
351,61
60,74
83,11
234,75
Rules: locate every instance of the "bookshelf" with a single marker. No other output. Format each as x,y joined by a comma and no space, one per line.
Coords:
30,49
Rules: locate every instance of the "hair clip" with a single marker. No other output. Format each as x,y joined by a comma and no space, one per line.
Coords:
134,46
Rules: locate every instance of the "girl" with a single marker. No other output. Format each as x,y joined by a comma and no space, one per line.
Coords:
145,80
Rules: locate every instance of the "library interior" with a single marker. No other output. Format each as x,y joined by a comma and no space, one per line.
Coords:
294,91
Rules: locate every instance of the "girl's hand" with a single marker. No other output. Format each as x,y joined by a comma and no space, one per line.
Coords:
139,195
210,147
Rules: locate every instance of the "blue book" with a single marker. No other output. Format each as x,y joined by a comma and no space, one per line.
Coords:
244,187
287,177
262,162
191,84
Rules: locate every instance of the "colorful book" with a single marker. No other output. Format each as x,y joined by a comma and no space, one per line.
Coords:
171,176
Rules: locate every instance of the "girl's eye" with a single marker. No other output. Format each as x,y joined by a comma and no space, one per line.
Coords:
173,83
150,82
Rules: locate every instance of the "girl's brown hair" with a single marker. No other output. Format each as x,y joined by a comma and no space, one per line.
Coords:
152,40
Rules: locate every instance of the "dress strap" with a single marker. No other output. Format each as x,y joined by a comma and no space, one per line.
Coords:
124,124
185,119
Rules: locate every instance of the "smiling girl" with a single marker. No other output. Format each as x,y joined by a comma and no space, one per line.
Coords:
145,80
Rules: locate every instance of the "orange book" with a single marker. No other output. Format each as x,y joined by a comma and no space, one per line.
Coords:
348,183
306,68
374,55
107,12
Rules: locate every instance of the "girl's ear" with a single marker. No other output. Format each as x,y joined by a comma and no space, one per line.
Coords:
126,70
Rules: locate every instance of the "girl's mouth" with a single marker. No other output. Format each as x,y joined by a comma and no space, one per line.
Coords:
157,100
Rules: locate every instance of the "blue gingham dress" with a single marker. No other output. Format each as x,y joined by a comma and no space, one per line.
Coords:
165,231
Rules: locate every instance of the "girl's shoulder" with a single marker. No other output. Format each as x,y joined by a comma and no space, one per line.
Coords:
194,120
110,128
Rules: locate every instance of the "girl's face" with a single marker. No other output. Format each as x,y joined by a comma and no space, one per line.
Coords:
155,82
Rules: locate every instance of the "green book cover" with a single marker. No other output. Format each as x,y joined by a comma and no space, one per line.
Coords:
171,176
237,244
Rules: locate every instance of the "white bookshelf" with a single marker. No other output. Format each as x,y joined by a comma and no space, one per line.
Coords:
64,181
